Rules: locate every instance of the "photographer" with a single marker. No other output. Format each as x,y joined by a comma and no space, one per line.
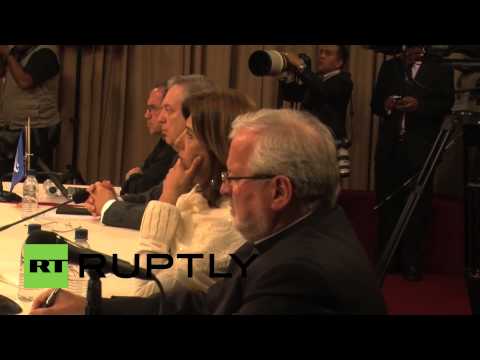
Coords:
29,90
326,93
412,95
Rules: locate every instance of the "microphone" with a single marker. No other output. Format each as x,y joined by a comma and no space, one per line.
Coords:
78,198
11,197
74,252
7,196
59,185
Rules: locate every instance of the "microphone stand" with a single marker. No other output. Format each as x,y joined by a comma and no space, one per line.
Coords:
94,294
448,127
5,227
7,196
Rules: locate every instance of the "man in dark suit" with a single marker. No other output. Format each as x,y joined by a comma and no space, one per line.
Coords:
127,212
159,161
412,95
302,256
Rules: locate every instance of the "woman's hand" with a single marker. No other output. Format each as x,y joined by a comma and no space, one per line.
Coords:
179,180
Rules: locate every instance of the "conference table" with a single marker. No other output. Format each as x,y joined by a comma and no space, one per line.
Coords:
107,240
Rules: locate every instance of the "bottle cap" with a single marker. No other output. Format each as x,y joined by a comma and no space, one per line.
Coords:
81,234
34,227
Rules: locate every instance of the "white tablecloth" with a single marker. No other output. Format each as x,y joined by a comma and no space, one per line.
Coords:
104,239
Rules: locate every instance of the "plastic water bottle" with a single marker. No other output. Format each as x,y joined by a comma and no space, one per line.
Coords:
76,284
27,295
30,196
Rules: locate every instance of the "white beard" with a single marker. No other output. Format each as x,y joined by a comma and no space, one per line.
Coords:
251,231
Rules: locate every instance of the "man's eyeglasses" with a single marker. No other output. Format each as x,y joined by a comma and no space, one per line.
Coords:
227,179
153,109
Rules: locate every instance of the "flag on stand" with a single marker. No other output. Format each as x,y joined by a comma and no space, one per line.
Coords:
19,166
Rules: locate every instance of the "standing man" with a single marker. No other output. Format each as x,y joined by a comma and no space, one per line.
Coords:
29,89
412,96
326,93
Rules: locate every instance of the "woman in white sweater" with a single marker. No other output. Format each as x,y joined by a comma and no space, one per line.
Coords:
191,216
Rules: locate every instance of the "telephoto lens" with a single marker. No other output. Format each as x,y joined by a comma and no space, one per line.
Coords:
267,63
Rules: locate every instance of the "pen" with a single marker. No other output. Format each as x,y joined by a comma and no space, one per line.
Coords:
51,298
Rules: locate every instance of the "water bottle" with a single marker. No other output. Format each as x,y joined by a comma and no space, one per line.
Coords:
76,284
27,295
30,198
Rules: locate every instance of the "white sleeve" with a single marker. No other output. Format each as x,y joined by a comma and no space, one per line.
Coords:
191,227
159,233
161,226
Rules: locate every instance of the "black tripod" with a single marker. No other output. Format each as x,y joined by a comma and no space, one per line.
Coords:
447,129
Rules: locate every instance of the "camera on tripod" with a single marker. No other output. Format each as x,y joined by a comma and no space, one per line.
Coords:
438,51
273,63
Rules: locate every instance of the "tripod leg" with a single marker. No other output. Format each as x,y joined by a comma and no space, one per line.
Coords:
424,177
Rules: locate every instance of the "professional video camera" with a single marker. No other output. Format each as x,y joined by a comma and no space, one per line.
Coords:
272,63
433,50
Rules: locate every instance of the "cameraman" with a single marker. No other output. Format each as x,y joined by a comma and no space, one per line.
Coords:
326,93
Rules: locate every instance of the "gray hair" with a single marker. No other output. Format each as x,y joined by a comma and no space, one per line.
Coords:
297,145
160,85
191,84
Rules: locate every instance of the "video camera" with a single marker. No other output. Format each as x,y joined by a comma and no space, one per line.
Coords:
433,50
272,62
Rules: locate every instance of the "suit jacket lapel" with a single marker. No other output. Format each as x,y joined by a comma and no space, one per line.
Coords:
422,71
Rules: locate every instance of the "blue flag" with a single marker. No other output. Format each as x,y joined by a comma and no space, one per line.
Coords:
19,166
